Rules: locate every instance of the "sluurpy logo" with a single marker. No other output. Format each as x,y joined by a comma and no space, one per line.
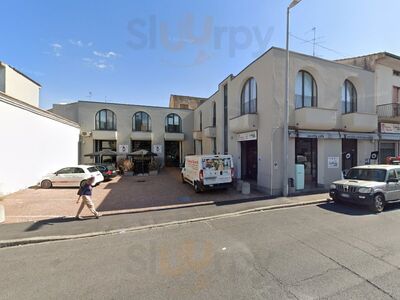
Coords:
206,39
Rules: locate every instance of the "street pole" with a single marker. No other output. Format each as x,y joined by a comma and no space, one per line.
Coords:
286,114
285,187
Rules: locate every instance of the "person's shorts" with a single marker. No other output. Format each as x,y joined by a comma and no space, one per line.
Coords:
88,201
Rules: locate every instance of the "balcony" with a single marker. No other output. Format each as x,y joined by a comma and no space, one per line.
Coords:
197,135
104,135
389,112
244,123
174,136
210,132
315,118
141,136
360,122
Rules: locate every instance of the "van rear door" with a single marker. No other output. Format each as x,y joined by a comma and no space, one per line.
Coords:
217,170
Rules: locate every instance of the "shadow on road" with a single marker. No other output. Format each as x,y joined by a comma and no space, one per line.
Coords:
54,221
354,210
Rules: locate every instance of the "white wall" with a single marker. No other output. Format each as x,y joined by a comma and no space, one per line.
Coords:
20,87
31,146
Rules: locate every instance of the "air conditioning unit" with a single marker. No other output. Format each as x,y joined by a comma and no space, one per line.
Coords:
86,133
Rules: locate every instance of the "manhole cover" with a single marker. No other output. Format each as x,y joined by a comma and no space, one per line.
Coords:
142,180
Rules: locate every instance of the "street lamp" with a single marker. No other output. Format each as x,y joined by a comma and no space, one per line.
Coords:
286,117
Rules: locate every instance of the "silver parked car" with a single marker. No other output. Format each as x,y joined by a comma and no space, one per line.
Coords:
71,176
372,185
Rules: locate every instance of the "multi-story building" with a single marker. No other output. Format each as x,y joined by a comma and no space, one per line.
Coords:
332,116
386,68
125,129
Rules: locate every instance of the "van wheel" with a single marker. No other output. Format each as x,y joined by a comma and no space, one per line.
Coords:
197,187
83,182
46,184
378,204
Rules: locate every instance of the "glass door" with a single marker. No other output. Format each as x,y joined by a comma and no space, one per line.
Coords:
306,154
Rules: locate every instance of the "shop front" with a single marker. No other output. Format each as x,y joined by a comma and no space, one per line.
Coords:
141,164
389,143
101,145
321,157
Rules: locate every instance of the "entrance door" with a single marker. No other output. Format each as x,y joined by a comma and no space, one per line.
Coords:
172,157
306,154
349,154
249,160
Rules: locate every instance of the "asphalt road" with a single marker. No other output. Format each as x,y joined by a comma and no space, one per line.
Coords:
327,251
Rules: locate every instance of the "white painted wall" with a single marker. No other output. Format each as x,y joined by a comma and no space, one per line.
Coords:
16,85
31,146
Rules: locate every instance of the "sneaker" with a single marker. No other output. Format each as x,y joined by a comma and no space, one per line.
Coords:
78,218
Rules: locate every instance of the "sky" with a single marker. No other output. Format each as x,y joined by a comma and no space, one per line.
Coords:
131,51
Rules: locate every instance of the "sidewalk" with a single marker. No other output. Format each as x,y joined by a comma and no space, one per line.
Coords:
59,227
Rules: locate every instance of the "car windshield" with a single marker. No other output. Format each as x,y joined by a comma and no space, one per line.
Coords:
367,174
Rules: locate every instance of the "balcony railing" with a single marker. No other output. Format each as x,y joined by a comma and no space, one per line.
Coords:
391,110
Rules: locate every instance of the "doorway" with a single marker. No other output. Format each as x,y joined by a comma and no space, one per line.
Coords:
249,160
172,156
307,155
349,154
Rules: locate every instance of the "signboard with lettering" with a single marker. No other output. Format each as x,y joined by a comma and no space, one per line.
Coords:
390,128
247,136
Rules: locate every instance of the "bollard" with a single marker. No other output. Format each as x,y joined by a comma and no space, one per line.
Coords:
239,185
245,188
2,214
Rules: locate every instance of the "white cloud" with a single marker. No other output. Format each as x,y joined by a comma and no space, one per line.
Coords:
109,54
80,44
100,64
56,49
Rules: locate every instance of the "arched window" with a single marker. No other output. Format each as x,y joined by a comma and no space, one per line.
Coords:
306,90
249,97
141,121
106,120
349,98
173,123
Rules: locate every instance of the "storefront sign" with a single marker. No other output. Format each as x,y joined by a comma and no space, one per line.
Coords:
247,136
124,149
390,128
333,162
157,149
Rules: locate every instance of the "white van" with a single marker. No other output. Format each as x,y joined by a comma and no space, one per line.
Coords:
206,172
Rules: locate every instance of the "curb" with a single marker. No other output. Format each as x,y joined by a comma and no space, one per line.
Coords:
38,240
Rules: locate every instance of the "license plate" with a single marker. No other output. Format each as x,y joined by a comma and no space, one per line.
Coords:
345,195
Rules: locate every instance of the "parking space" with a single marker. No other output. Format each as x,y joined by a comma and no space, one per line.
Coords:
119,195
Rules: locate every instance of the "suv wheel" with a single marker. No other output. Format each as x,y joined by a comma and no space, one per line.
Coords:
46,184
378,203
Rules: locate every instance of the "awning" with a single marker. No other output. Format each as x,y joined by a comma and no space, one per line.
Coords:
390,136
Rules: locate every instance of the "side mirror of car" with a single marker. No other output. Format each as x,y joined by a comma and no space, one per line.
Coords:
393,180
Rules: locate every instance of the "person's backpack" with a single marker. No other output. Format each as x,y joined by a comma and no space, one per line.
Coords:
79,193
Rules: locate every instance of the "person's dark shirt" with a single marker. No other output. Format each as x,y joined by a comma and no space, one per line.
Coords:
86,190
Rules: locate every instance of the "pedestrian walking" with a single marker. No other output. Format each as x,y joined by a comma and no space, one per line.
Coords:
85,192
